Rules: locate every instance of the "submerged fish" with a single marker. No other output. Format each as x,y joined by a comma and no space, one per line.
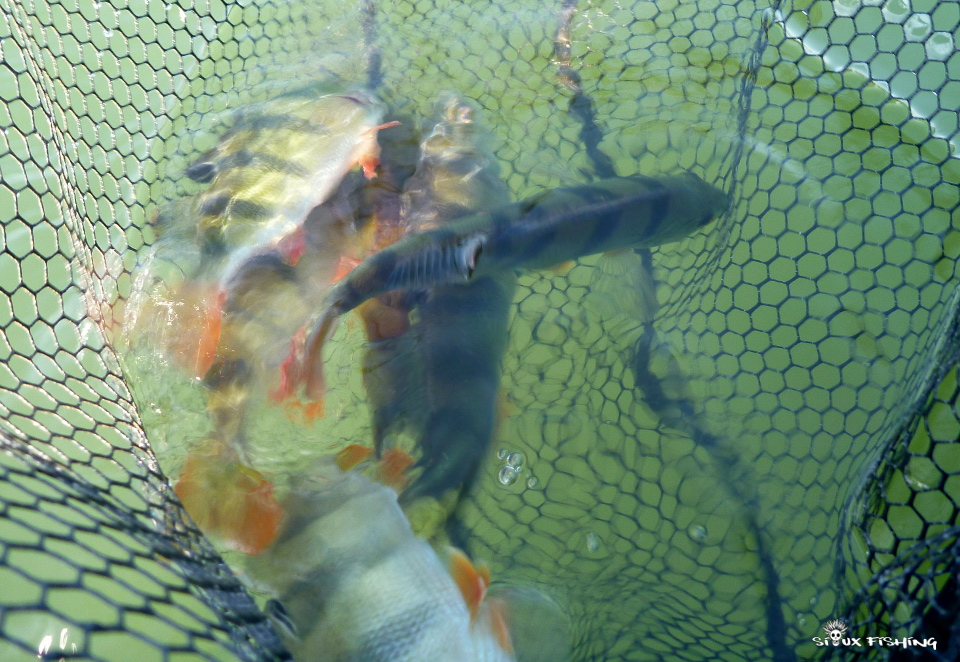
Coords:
228,500
353,582
544,230
440,379
278,162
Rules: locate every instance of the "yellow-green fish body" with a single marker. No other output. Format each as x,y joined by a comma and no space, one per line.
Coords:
273,166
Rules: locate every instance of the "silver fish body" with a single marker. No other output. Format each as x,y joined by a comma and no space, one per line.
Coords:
356,584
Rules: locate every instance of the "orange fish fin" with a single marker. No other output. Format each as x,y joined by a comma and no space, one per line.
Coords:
260,517
312,366
563,268
350,456
392,470
293,245
500,625
198,325
229,500
370,159
345,265
304,413
468,578
291,375
382,321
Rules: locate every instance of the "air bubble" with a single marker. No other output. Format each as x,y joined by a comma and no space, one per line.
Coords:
532,482
502,453
593,542
697,532
508,475
515,460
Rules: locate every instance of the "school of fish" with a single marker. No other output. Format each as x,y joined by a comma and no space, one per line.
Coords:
287,238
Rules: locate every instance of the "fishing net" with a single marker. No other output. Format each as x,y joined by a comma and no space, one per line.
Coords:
774,447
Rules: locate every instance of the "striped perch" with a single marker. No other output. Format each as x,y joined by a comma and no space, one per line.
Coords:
439,380
352,582
542,231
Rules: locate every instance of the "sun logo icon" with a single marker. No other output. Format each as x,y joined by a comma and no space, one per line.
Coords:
835,630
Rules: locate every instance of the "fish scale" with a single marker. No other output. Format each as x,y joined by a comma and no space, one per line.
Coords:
352,582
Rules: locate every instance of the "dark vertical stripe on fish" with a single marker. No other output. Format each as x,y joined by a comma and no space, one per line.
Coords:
216,205
244,158
241,209
533,249
603,227
247,210
659,207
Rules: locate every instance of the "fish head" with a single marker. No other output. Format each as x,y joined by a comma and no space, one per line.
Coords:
457,173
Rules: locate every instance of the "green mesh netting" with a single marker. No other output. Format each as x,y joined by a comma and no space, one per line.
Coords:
776,449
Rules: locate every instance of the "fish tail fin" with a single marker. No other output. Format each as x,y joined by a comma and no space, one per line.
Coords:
453,444
472,579
291,376
622,287
350,456
228,499
198,310
393,467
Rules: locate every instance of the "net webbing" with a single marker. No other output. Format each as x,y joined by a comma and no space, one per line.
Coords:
777,448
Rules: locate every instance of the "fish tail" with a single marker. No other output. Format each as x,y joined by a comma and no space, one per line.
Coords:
453,444
228,499
350,456
291,376
199,311
311,367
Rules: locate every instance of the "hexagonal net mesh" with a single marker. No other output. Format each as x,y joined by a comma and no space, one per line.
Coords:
776,448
